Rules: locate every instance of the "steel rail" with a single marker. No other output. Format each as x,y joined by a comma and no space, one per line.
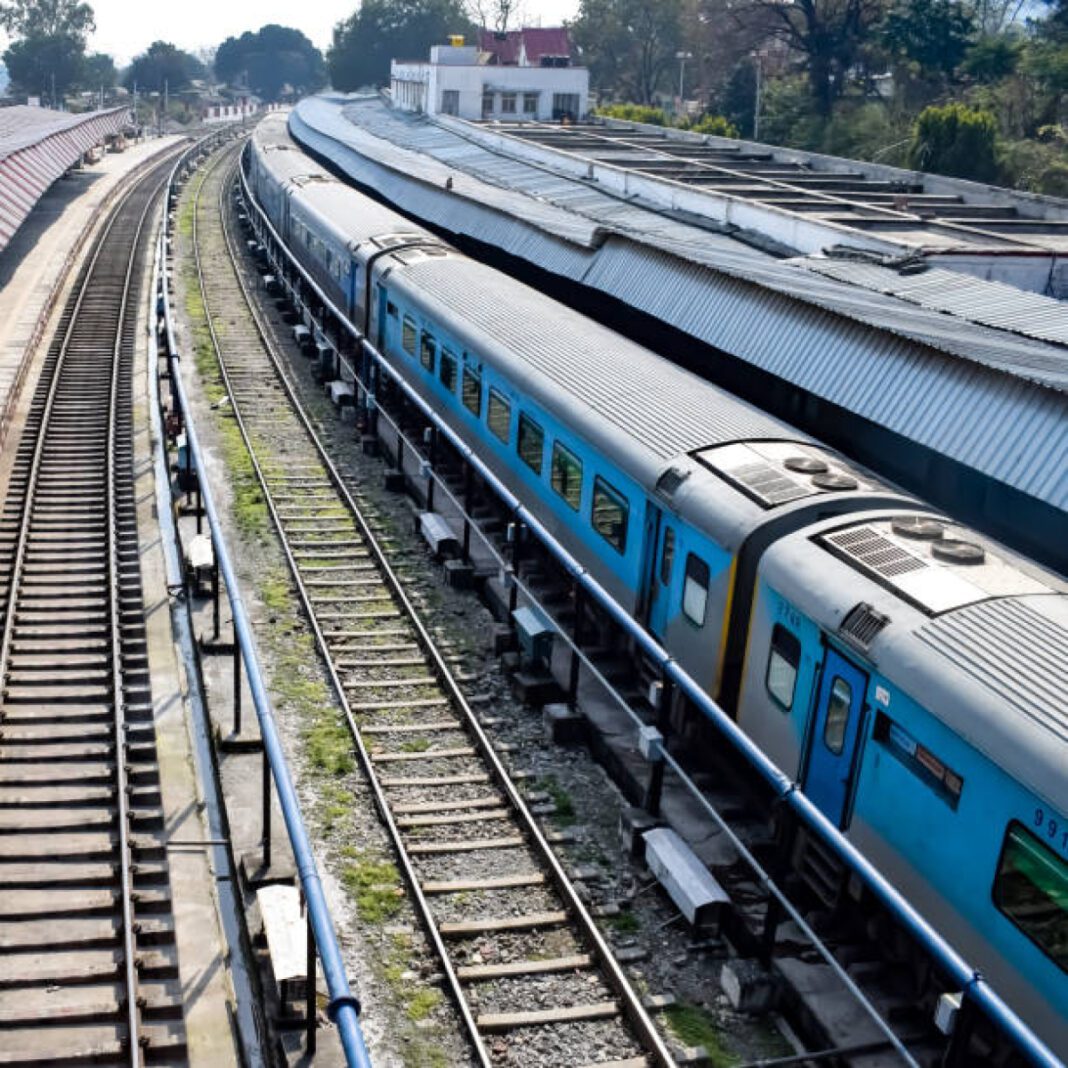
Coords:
100,252
343,1009
970,981
646,1031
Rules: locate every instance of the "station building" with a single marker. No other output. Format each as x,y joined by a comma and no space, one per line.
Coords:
524,74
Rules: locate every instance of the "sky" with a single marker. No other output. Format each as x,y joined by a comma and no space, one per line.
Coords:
126,27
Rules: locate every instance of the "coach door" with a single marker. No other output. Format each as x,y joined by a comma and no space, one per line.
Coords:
659,566
834,736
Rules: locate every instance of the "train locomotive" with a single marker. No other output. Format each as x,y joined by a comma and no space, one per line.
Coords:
907,672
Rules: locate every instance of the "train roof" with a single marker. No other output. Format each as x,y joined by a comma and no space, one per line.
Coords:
973,633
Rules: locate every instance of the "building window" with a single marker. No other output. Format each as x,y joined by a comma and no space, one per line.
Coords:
508,101
471,392
426,353
447,370
530,103
408,336
531,443
695,590
487,104
566,475
609,514
499,416
1031,888
450,101
783,661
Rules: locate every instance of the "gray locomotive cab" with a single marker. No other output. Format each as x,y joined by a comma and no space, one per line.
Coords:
910,674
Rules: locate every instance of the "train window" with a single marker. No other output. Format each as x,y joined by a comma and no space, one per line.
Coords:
834,729
695,590
609,514
531,443
408,335
1031,888
783,662
499,416
447,370
566,475
471,392
667,556
426,353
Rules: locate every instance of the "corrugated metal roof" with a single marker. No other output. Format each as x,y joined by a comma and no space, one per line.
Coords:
1016,651
988,398
36,147
974,300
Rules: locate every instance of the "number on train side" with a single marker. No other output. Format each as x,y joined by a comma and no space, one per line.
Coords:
1051,826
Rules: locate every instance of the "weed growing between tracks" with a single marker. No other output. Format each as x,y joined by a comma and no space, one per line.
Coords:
695,1026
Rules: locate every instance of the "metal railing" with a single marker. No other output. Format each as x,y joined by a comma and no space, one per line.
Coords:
977,996
343,1009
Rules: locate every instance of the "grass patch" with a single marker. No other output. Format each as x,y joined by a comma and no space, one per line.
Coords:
624,922
422,1003
564,816
375,884
416,745
274,591
695,1026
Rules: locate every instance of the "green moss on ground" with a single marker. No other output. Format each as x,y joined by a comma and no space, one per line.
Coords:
693,1025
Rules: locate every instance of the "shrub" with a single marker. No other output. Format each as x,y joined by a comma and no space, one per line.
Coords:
955,140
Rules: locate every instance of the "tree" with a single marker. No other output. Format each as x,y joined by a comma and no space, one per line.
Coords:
382,30
48,67
47,18
955,140
99,72
830,35
993,57
630,46
933,34
163,66
269,60
47,54
496,14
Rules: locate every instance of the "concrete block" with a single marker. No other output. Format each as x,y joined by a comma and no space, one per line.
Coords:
633,823
369,445
504,640
563,725
393,481
748,985
458,575
535,687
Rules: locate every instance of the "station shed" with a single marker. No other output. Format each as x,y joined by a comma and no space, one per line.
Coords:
943,379
37,146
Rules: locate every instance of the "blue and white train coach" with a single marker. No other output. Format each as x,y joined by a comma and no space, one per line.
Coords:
909,674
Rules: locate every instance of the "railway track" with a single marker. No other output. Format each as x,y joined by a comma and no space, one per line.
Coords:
89,968
526,964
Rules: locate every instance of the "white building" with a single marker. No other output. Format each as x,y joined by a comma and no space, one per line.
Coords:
474,83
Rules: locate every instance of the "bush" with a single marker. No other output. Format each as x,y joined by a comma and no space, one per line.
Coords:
955,140
1053,181
634,113
715,125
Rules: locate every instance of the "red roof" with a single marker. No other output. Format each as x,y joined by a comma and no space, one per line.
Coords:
551,41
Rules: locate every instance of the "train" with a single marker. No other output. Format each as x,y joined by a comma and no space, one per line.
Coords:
906,671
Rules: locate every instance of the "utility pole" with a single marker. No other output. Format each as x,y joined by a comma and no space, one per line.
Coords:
682,57
758,56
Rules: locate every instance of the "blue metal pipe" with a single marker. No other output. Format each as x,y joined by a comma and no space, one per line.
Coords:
947,958
343,1008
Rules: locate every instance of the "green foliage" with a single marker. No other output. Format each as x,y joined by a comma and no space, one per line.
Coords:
48,66
786,115
630,46
163,66
716,125
47,18
376,886
933,34
99,72
273,61
382,30
993,57
694,1026
955,140
635,113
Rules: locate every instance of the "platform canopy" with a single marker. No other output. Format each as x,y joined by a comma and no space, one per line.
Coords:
36,147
